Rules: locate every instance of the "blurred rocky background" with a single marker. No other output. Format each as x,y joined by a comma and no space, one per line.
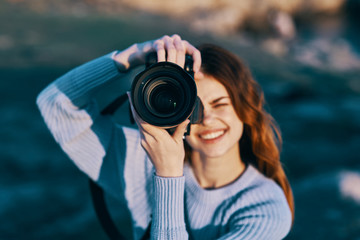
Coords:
305,54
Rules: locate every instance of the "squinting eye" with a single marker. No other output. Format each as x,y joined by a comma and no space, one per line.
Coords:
220,105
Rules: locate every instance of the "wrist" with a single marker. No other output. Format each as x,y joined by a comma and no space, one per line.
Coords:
132,56
168,207
166,173
126,58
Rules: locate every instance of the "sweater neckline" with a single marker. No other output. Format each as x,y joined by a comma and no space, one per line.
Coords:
217,194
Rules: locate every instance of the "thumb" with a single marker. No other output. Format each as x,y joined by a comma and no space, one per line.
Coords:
180,130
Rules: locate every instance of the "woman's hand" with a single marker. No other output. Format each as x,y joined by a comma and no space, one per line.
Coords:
168,48
166,151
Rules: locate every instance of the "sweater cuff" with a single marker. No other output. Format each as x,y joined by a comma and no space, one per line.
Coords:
168,208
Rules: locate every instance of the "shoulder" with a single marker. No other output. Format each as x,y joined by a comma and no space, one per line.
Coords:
261,205
264,187
254,183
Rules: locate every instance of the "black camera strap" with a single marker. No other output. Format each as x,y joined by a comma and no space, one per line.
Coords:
97,193
102,212
114,105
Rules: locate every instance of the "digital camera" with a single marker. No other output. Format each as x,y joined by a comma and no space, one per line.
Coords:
165,94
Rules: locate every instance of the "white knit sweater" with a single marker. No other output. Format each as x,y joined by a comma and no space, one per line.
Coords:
252,207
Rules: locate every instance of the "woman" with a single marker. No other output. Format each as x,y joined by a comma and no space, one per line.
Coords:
223,181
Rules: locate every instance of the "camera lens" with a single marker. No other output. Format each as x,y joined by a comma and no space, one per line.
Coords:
164,102
164,94
163,98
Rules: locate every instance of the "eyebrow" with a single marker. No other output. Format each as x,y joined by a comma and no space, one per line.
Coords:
218,99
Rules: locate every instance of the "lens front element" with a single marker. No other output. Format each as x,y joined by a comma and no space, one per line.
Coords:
164,94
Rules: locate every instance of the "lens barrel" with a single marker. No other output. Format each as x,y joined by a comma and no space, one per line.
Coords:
164,95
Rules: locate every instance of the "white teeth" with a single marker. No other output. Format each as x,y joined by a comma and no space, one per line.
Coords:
212,135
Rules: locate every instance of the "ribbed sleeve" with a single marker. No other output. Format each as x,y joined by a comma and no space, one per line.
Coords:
85,79
168,208
72,115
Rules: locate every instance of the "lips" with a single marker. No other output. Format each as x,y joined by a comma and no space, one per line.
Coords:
212,135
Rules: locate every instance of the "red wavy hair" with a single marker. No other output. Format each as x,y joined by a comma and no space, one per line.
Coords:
260,144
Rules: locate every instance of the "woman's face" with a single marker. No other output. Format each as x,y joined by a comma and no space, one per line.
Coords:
221,129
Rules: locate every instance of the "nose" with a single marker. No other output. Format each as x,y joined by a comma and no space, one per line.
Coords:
208,117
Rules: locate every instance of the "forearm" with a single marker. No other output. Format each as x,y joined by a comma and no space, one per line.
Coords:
67,105
73,117
81,83
168,208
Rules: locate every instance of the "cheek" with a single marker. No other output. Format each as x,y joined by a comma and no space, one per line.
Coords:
239,130
231,118
191,138
236,125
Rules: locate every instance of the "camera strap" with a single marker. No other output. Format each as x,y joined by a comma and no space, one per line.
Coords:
97,193
102,212
114,105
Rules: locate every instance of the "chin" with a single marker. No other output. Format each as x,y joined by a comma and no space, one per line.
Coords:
212,153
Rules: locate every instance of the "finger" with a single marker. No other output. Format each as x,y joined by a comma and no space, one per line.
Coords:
137,119
170,49
146,130
148,139
159,46
196,55
198,75
180,130
143,126
180,50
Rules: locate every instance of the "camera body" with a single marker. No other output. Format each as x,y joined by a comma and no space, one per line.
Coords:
165,95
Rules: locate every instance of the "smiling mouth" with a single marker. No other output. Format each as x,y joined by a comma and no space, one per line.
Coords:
212,135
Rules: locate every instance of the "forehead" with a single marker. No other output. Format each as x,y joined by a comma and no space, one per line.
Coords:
209,88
